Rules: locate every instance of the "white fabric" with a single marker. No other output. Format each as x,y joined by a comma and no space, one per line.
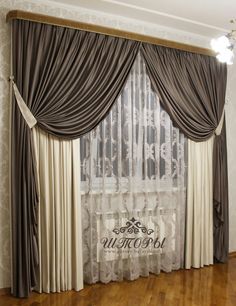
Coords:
26,113
199,220
59,223
133,165
220,125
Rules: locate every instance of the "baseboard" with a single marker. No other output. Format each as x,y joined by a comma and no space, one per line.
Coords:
5,291
232,254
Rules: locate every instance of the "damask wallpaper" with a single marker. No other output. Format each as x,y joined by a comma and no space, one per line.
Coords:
47,7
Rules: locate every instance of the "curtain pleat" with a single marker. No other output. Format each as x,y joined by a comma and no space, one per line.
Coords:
60,241
191,88
69,80
199,215
221,213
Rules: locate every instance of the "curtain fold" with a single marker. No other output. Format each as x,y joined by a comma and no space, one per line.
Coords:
69,80
191,88
221,213
199,211
133,165
59,213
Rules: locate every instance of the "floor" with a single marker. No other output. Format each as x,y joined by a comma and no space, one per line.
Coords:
210,286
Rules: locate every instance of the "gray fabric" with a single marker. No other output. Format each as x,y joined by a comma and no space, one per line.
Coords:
69,80
192,88
220,192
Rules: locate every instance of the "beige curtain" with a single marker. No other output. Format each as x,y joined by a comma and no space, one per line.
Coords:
199,214
59,217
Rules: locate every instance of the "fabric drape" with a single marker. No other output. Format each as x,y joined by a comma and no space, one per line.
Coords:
191,88
221,213
133,166
59,213
199,210
69,80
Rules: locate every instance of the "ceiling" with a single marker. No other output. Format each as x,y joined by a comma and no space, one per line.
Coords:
203,17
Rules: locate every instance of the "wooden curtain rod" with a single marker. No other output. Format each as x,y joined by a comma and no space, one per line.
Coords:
23,15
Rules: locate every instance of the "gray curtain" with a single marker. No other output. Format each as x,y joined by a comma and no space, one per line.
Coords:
220,198
69,80
191,88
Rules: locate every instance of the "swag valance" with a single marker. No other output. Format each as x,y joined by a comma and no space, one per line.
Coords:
69,80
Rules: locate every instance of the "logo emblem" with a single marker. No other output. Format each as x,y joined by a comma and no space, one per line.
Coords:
133,226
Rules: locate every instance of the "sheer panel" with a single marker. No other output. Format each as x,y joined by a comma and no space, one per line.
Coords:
133,169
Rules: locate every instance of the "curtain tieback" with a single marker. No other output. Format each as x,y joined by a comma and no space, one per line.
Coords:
25,111
220,125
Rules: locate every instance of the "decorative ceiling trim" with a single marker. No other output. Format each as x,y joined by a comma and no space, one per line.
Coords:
41,18
174,17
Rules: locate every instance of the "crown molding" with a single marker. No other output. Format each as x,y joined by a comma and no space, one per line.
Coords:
41,18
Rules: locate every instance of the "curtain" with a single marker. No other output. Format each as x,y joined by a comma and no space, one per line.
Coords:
191,88
133,169
221,213
69,80
199,214
59,216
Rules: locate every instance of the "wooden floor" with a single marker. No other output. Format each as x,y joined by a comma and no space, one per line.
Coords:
210,286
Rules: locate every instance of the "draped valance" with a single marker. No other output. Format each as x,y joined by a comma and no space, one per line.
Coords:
69,80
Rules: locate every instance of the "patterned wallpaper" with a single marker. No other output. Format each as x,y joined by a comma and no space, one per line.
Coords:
47,7
231,146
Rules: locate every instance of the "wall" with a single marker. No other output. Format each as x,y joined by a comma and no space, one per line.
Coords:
231,145
106,20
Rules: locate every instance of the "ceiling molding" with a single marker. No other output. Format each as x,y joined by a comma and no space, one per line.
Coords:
174,17
51,20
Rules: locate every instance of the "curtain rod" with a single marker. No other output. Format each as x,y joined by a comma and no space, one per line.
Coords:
23,15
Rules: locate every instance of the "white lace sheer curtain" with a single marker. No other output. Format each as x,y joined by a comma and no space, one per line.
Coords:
133,167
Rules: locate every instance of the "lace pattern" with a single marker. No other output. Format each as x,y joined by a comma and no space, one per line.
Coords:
133,165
